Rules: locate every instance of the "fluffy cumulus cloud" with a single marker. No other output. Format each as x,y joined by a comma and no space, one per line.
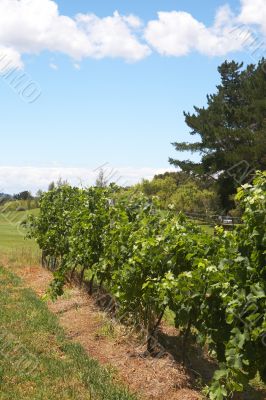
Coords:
254,12
112,36
31,26
178,33
15,179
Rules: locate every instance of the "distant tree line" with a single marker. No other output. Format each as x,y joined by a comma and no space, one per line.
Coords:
182,192
25,200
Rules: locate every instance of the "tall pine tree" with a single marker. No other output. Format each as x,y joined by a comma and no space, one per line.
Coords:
231,129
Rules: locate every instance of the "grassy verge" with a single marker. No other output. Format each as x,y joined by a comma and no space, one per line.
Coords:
14,248
12,233
37,362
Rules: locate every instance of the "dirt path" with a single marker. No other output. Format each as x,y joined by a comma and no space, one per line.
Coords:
153,379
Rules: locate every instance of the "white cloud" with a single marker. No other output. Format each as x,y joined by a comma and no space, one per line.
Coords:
41,27
173,33
33,26
254,12
15,179
112,37
178,33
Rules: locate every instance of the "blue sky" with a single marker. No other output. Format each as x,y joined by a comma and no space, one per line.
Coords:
94,110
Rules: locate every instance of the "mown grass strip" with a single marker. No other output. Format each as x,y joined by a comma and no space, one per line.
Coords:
37,362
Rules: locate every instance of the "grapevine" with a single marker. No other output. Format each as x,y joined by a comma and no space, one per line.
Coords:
150,260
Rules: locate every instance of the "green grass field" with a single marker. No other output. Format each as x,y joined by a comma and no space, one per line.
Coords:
12,234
